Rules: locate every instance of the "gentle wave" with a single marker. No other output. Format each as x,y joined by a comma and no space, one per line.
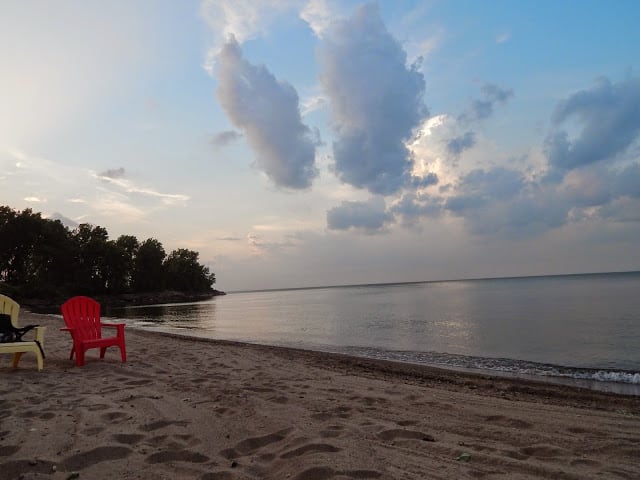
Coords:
500,365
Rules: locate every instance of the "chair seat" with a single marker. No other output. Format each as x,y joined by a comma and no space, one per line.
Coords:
100,342
17,347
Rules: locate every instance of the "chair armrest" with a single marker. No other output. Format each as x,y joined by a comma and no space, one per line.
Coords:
119,326
40,334
112,324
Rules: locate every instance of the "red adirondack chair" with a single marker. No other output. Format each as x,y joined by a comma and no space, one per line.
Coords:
82,319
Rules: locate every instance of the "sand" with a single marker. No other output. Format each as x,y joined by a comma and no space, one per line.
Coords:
196,409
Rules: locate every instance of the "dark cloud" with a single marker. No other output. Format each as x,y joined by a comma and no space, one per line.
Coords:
480,187
500,200
267,111
376,102
609,117
483,108
369,217
414,206
627,182
426,181
222,139
459,144
113,173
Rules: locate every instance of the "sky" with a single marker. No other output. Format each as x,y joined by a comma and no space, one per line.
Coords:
297,143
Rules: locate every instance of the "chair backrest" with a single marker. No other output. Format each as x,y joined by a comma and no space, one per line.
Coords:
83,315
10,307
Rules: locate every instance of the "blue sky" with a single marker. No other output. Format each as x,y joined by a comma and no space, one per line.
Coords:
317,142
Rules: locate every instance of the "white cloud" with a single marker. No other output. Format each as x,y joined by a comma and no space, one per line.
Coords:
241,19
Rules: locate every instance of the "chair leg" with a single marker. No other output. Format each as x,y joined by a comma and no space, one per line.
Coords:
102,351
73,349
80,357
123,353
40,360
16,359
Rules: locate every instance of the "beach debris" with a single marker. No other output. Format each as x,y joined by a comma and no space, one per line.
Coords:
428,438
73,475
234,464
464,457
54,468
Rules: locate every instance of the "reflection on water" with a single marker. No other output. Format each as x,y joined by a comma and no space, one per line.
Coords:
585,321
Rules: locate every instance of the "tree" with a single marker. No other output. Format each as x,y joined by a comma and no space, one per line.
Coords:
129,246
91,266
40,257
184,273
148,272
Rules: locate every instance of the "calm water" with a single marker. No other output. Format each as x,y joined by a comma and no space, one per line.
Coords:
584,327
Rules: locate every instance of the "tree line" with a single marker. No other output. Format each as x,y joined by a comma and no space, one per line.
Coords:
42,258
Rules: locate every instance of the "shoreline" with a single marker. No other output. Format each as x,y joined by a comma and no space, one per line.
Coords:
213,409
612,387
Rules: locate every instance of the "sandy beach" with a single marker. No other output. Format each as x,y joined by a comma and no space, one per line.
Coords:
201,409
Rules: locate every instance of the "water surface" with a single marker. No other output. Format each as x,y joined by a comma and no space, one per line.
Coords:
578,326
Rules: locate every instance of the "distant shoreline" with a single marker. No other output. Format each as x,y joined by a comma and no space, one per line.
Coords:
451,280
48,305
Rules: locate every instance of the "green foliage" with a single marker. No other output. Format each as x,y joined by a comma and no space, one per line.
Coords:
184,272
43,258
148,271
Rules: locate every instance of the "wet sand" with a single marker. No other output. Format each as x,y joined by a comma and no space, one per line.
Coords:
202,409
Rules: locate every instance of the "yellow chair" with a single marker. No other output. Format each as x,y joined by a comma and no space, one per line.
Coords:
10,307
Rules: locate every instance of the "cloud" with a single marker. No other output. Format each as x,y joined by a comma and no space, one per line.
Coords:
130,187
424,181
500,200
483,108
319,15
608,118
627,182
222,139
267,111
67,222
113,173
35,199
463,142
414,206
503,37
241,19
368,217
259,246
376,102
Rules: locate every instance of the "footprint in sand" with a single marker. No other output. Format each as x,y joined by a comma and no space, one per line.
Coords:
172,455
323,473
7,450
217,476
250,445
150,427
332,431
128,439
97,455
396,433
310,448
542,451
114,417
507,422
